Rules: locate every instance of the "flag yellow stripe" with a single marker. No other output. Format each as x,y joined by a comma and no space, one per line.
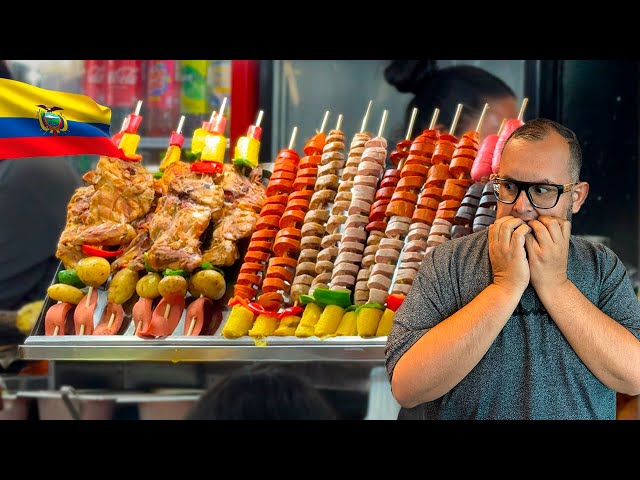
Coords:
18,99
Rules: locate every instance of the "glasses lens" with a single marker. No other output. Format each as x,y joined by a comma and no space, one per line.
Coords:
543,196
505,191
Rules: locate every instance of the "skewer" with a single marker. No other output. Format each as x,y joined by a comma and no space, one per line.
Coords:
324,121
81,329
339,122
524,105
191,327
260,113
434,118
55,330
293,138
224,104
383,122
113,315
484,110
180,123
504,120
167,310
138,107
366,117
454,124
213,116
411,122
88,302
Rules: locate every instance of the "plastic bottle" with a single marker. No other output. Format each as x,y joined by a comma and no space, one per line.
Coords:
219,81
194,101
124,89
94,80
162,97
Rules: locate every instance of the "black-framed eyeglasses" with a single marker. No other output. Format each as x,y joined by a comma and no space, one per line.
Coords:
541,195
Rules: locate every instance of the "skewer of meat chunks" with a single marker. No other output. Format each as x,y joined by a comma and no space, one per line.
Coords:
354,238
413,175
510,125
256,260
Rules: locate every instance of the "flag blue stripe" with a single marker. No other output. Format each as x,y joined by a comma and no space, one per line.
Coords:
30,127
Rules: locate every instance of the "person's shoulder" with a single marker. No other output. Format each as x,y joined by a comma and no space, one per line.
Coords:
586,249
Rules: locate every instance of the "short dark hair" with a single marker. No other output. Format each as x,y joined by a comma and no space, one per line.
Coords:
539,128
262,392
444,89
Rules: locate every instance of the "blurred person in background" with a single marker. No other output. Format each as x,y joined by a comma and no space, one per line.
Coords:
262,391
445,89
34,193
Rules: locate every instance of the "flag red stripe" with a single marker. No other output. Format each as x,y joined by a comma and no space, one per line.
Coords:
53,146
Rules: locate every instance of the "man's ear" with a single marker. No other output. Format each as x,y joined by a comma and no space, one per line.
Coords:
579,195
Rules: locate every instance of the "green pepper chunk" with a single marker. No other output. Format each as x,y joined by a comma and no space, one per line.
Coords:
304,299
206,266
176,271
158,175
70,277
379,306
325,296
242,162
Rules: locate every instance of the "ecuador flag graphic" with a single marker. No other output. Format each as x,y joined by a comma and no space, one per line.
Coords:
35,122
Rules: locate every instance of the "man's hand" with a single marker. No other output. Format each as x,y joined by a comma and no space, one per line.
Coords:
547,250
507,253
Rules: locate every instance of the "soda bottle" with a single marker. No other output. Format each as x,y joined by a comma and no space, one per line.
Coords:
219,80
124,89
162,97
94,80
194,102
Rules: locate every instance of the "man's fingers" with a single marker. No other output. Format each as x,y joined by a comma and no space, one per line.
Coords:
554,226
507,228
519,234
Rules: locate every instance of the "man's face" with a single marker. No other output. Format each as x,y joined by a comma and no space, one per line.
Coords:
542,161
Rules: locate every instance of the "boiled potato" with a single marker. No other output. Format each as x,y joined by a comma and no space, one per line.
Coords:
209,283
93,271
61,292
122,286
147,286
172,284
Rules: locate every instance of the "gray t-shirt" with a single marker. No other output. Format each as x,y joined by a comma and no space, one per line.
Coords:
530,371
34,193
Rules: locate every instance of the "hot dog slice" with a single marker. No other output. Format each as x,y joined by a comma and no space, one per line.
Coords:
83,315
161,326
197,312
58,316
141,314
108,326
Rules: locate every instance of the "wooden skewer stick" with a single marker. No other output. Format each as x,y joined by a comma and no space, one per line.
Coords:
213,116
484,110
293,138
167,310
81,329
522,108
224,104
259,120
411,122
192,326
55,330
504,120
324,121
180,124
88,302
456,117
113,315
138,107
366,117
434,118
339,122
383,122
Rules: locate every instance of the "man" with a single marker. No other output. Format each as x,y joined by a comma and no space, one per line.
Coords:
520,320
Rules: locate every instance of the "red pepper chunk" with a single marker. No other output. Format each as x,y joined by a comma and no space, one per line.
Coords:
99,252
394,301
206,167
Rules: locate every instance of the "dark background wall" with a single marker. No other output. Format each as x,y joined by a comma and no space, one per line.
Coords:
598,99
